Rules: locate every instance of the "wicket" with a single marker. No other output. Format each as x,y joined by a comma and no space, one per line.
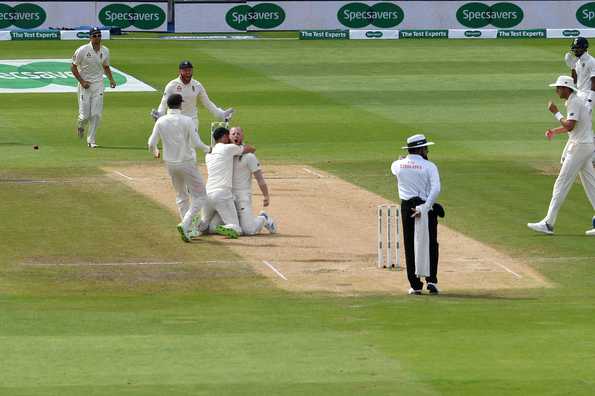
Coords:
389,235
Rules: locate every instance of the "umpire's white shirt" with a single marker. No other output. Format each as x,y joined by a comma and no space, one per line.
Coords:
179,136
220,168
417,177
243,168
585,69
190,92
90,63
578,111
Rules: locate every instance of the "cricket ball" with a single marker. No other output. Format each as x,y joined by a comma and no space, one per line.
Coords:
35,147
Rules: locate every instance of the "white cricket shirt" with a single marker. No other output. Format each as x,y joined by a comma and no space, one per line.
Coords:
243,168
220,166
417,177
585,69
179,137
190,92
90,62
577,110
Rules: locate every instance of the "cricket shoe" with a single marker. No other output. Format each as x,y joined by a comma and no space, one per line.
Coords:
542,226
269,223
92,145
80,132
183,233
590,232
433,288
227,231
412,291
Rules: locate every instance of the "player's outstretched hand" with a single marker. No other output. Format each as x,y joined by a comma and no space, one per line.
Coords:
549,134
112,84
227,114
157,153
552,107
155,114
266,201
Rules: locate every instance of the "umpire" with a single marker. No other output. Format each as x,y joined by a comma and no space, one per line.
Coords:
418,184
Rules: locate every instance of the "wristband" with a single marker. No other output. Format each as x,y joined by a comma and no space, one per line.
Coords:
558,116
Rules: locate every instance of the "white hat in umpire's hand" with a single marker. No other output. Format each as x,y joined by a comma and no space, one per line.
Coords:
565,81
417,141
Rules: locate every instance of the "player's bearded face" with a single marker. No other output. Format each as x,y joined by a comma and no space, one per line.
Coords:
186,74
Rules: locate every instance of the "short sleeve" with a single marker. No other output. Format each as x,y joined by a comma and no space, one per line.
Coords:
573,109
253,163
232,150
77,57
106,57
394,168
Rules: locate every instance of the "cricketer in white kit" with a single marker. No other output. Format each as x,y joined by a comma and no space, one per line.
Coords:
219,184
180,139
578,155
582,66
89,63
244,166
191,90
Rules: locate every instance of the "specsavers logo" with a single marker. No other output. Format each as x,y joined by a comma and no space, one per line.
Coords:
41,74
500,15
24,16
261,16
586,14
142,16
381,15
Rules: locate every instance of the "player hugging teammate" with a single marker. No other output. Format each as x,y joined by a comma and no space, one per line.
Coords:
226,200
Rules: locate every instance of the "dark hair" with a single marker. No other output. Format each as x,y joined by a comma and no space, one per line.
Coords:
219,133
416,150
174,101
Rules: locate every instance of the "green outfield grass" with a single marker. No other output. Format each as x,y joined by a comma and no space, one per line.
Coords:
218,328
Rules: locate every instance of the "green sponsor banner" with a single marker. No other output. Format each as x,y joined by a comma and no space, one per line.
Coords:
423,34
261,16
22,16
324,35
380,15
501,15
35,35
142,16
586,14
54,75
522,33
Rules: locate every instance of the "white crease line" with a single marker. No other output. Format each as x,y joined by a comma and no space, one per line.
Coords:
509,270
123,175
274,269
100,264
313,173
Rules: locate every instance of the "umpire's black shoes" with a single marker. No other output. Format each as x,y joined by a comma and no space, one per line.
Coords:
433,288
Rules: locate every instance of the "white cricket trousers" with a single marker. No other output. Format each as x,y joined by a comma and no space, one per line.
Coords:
577,161
190,190
250,225
90,108
220,203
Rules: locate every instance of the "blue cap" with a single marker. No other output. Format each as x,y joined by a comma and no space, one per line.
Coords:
185,64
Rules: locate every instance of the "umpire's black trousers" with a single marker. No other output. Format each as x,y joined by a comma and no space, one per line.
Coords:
409,238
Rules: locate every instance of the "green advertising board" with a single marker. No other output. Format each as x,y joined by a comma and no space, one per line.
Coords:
21,16
35,35
476,15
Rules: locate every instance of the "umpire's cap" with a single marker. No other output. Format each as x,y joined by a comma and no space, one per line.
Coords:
219,133
185,64
94,30
174,101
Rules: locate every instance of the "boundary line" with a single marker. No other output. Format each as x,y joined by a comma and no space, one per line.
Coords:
274,269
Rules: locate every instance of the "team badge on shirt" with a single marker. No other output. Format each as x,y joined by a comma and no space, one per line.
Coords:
179,88
571,114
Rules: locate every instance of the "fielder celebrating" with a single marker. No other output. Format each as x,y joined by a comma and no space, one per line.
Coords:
190,89
180,138
219,184
89,62
580,147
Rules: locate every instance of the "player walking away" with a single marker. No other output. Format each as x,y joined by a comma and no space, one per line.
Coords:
579,150
89,63
190,89
180,139
582,66
219,184
418,184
